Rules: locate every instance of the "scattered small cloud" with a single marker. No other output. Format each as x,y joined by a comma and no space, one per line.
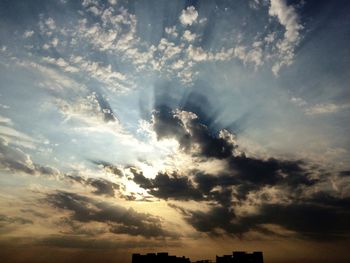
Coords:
188,16
28,33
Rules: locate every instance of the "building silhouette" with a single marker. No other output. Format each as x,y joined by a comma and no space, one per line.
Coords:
158,258
241,257
236,257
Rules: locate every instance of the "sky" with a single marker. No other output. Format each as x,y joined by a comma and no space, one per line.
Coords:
192,127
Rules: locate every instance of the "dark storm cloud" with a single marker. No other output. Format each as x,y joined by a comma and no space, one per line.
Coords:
34,212
247,173
321,216
328,200
168,186
78,228
14,220
109,167
206,184
198,103
118,218
14,159
218,217
168,125
211,146
72,241
105,108
310,220
180,187
271,171
102,186
344,173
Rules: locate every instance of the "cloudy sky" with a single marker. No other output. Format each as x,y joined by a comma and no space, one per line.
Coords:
193,127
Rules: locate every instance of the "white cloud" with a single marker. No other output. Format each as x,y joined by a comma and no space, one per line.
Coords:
113,32
95,10
51,79
197,54
28,33
54,42
252,56
113,80
254,4
50,23
15,160
169,49
270,38
61,63
11,135
188,16
203,20
5,120
188,36
113,2
85,109
178,64
255,55
325,108
320,108
3,106
46,46
289,19
171,31
298,101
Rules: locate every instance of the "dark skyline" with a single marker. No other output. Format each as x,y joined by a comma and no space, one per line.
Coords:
164,257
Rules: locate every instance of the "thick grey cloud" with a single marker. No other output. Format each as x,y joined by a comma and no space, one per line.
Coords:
15,160
217,217
106,108
102,186
14,220
322,217
118,218
344,173
109,167
247,173
167,186
34,213
225,192
72,241
168,125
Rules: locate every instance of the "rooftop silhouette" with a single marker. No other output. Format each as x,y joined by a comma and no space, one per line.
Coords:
236,257
241,257
158,258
